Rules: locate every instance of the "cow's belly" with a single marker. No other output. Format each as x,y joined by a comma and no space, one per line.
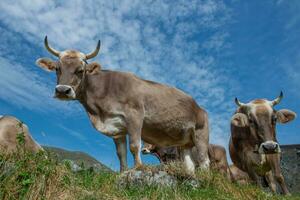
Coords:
163,139
113,126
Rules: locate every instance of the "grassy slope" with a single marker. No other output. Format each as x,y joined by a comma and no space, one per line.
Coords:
78,157
27,176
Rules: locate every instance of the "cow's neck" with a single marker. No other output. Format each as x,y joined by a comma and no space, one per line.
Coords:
93,87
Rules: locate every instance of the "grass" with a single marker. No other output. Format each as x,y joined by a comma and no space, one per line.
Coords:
40,176
30,176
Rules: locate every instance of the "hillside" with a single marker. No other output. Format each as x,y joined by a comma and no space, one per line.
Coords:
28,176
290,164
78,158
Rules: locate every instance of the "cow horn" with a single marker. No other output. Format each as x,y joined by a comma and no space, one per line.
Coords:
50,49
277,100
238,103
95,52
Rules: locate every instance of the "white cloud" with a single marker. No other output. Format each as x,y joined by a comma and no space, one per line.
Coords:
78,135
158,40
22,87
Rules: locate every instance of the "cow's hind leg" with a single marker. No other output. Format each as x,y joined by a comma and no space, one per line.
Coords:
121,146
200,139
134,123
189,164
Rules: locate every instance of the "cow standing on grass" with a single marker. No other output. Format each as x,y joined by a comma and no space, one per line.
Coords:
216,154
118,103
10,127
253,144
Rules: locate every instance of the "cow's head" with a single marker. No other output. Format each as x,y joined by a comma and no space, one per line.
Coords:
71,69
148,148
260,117
164,154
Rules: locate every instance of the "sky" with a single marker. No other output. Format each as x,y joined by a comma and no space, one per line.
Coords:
213,50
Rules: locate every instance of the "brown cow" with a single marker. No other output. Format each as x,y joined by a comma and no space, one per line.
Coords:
253,144
118,103
216,153
10,127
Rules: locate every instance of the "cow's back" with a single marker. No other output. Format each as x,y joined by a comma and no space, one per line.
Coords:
163,102
10,127
217,153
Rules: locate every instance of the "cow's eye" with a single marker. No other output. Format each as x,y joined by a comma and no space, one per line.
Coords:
57,69
79,71
251,121
274,119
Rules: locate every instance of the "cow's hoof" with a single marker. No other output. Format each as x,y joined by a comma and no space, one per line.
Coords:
138,167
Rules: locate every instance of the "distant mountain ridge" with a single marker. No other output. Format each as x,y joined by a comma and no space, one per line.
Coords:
78,158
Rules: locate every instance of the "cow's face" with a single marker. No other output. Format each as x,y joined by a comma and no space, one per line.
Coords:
71,69
163,154
261,118
148,148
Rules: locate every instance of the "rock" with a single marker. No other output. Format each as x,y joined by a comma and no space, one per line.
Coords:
155,177
72,165
146,178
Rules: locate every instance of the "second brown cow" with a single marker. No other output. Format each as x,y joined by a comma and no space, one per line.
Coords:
216,153
253,144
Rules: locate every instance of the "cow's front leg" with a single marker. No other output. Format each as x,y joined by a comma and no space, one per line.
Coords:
121,146
271,181
275,166
253,176
134,128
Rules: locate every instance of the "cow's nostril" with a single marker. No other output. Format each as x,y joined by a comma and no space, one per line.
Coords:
68,91
144,151
270,146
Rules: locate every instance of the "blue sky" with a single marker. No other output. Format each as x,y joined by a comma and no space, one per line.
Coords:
212,50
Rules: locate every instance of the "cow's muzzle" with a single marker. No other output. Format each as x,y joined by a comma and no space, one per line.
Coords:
146,151
64,92
269,147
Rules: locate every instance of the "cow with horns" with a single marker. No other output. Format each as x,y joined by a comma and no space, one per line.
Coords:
120,103
253,144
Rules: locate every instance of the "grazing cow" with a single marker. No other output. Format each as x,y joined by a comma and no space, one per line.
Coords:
10,127
218,158
163,154
118,103
238,175
253,144
216,153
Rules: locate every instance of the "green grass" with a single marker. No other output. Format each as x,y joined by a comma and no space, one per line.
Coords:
40,176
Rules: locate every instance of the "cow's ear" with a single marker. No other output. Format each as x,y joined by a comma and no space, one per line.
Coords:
46,63
285,115
239,120
93,68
